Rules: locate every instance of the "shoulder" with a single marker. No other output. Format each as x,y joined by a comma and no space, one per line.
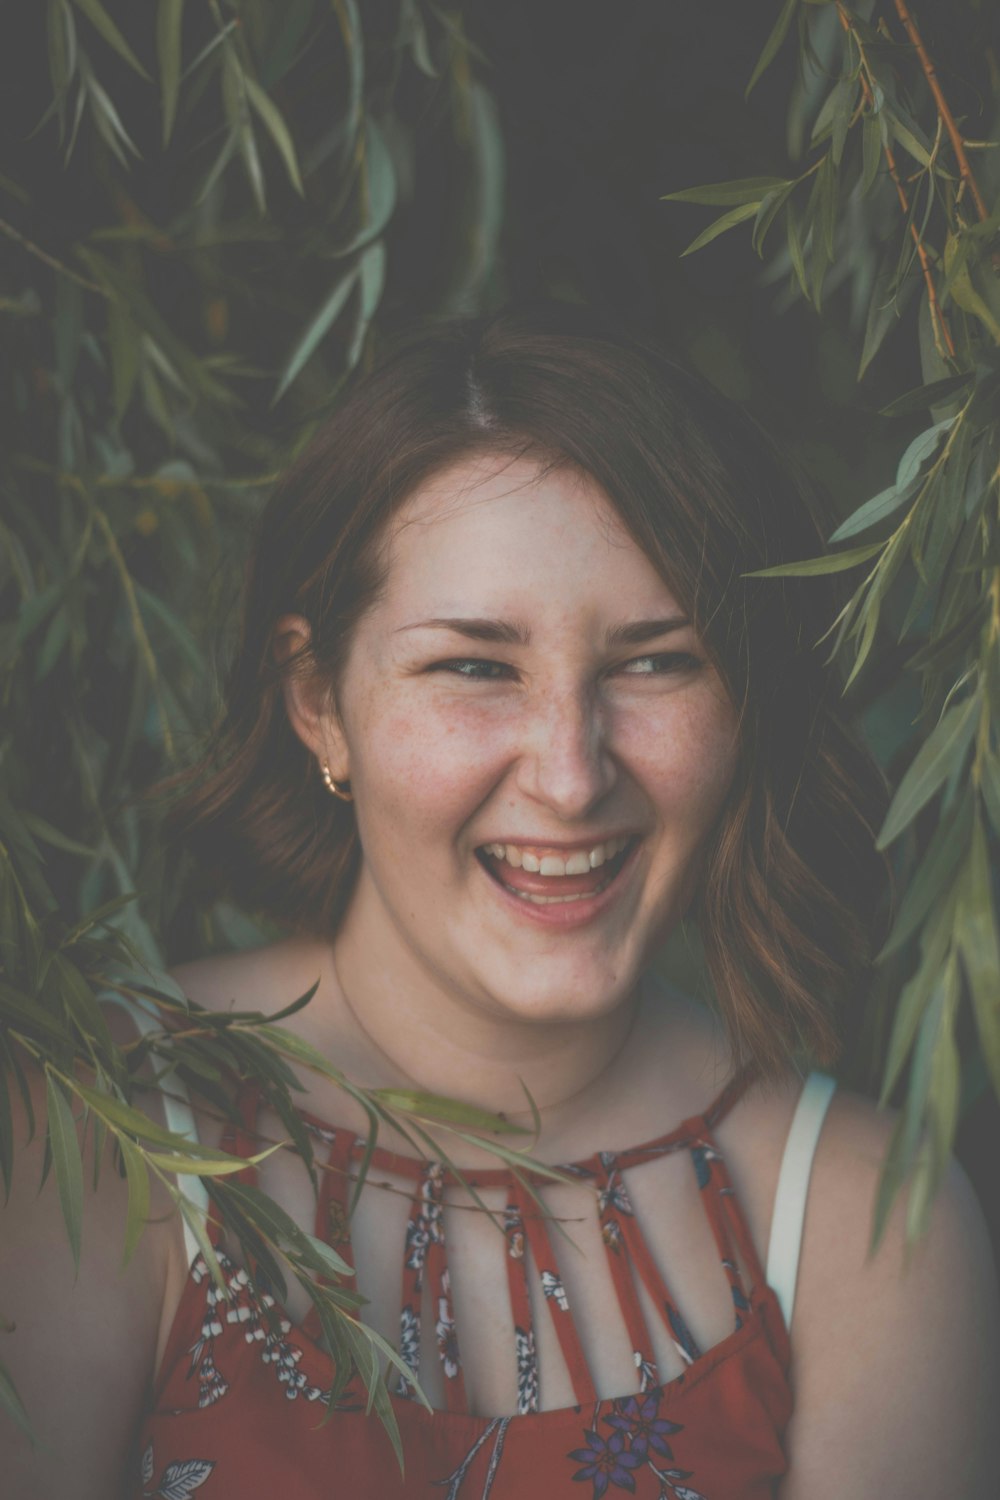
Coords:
82,1349
894,1353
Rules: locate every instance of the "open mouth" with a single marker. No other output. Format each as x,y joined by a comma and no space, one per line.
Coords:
537,882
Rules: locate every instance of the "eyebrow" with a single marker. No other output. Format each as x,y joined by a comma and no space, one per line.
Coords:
514,633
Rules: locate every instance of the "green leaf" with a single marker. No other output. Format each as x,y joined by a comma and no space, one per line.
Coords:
976,935
11,1403
931,882
169,17
276,128
728,194
874,510
909,142
719,226
317,329
942,752
922,447
378,198
773,43
102,22
795,250
916,993
209,1166
923,397
434,1107
65,1147
768,211
885,309
833,562
138,1195
871,146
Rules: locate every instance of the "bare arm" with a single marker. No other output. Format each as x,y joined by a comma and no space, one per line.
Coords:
895,1367
83,1349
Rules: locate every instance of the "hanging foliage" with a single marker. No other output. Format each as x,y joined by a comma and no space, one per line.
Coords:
201,227
894,193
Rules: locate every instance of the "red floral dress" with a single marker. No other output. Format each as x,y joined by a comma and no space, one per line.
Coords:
240,1401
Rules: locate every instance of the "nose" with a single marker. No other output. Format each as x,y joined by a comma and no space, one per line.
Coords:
565,762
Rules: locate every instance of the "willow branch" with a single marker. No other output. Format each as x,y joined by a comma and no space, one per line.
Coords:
938,320
954,134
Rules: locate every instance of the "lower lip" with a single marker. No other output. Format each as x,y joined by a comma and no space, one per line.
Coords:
566,914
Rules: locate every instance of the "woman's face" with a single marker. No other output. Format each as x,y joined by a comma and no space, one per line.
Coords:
525,694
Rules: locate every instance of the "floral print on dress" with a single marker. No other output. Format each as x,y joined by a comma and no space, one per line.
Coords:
638,1440
243,1307
447,1339
527,1370
179,1479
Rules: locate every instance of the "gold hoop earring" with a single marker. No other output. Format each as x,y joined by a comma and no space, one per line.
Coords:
341,789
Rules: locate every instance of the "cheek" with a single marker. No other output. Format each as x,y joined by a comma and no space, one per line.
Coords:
415,769
688,757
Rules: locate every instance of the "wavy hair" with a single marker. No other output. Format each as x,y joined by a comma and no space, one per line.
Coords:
789,901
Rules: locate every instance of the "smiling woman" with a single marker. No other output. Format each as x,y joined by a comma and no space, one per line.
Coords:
508,707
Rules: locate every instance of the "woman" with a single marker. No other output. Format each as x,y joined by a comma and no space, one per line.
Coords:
507,708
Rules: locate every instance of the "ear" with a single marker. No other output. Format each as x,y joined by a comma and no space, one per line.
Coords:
307,699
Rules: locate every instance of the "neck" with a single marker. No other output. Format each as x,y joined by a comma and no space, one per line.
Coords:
419,1034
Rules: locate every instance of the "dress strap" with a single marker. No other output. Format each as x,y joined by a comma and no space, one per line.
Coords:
176,1109
793,1186
615,1211
537,1239
425,1253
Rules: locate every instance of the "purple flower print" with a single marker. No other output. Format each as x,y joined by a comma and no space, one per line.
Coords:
636,1417
607,1461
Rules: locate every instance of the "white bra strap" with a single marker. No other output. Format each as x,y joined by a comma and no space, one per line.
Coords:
177,1112
793,1185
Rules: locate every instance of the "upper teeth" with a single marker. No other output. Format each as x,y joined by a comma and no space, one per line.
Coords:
554,864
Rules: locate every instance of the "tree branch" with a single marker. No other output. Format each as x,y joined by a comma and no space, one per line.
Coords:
943,339
954,134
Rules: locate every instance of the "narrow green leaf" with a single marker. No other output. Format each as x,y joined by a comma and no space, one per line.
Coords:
795,249
316,330
871,138
169,18
11,1403
923,397
768,211
834,562
976,934
65,1146
920,450
909,141
276,128
378,199
729,194
928,1034
874,510
102,22
773,43
138,1196
719,226
943,751
885,309
203,1166
932,880
916,994
434,1107
333,1263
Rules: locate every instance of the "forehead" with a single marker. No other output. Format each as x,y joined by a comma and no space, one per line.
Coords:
489,522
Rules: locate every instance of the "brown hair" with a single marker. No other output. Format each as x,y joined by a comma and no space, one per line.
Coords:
791,885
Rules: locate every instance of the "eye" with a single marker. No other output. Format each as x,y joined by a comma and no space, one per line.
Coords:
474,669
661,663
